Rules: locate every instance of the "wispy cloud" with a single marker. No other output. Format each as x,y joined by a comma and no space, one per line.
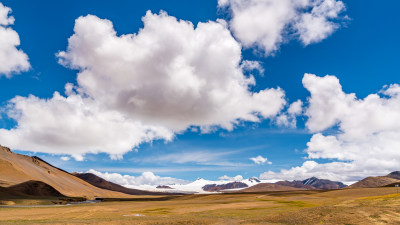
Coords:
163,170
198,157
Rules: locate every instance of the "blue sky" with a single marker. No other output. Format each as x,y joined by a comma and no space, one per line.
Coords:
362,53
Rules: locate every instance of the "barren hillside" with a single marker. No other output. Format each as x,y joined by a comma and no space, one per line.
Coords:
16,169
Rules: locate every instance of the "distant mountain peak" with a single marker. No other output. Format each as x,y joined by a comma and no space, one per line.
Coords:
313,183
254,179
310,181
232,185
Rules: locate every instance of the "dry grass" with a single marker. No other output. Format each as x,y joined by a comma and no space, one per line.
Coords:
351,206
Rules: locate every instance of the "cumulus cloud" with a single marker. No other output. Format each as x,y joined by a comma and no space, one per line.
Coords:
260,160
269,23
169,74
135,88
147,178
336,171
289,118
228,178
74,125
368,131
12,59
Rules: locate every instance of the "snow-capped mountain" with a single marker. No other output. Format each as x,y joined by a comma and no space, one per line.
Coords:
197,186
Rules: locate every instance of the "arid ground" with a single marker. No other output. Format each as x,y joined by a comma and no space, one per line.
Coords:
348,206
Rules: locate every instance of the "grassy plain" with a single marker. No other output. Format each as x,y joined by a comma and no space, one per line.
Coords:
348,206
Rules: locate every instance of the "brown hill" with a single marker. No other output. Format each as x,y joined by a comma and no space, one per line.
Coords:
104,184
6,192
16,169
35,188
394,175
393,184
296,184
372,182
263,187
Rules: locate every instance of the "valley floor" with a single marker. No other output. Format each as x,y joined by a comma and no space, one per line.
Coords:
348,206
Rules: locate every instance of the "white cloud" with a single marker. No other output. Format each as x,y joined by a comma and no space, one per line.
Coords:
136,88
74,125
147,178
169,74
5,19
198,157
269,23
367,137
335,171
289,118
12,60
65,158
260,160
316,25
236,178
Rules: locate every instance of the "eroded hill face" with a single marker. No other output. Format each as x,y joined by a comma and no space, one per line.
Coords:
16,169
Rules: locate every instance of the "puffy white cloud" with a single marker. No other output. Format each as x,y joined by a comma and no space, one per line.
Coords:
228,178
169,74
327,103
74,125
135,88
147,178
316,25
269,23
12,60
336,171
367,137
260,160
289,118
5,19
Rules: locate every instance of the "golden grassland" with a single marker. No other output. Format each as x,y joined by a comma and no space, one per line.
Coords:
347,206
